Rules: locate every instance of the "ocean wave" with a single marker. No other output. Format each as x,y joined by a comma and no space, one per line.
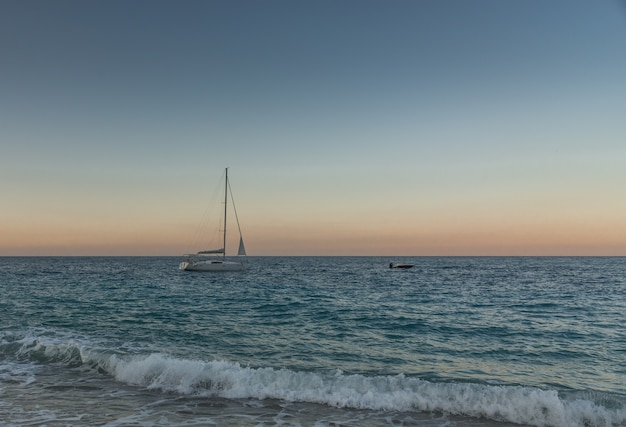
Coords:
226,379
517,404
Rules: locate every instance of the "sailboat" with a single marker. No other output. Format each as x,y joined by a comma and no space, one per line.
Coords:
215,262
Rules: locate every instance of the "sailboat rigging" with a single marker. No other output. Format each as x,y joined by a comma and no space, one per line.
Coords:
195,262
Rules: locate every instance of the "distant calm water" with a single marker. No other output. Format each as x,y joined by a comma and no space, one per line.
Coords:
313,341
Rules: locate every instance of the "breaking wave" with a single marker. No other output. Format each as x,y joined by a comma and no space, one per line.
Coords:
226,379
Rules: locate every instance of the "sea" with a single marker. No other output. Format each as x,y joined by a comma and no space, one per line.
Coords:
314,341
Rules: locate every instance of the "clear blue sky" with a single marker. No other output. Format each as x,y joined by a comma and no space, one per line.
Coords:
487,127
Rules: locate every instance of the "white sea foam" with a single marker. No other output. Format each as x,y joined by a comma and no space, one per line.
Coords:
516,404
523,405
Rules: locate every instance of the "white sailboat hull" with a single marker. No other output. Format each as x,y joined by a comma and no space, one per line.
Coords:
212,265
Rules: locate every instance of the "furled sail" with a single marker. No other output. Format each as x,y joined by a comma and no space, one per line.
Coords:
242,248
215,251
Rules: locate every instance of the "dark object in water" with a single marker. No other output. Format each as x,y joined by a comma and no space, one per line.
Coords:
400,265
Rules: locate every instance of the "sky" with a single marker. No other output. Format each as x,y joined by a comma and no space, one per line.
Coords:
354,127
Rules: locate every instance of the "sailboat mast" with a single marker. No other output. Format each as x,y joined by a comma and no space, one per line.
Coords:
225,201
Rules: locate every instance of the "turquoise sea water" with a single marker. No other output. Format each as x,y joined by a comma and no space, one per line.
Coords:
324,341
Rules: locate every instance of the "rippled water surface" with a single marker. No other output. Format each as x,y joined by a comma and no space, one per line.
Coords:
304,341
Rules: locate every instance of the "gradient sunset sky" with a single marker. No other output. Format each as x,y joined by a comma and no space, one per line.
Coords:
467,127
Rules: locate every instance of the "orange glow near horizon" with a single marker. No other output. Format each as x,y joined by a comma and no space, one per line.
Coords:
445,238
